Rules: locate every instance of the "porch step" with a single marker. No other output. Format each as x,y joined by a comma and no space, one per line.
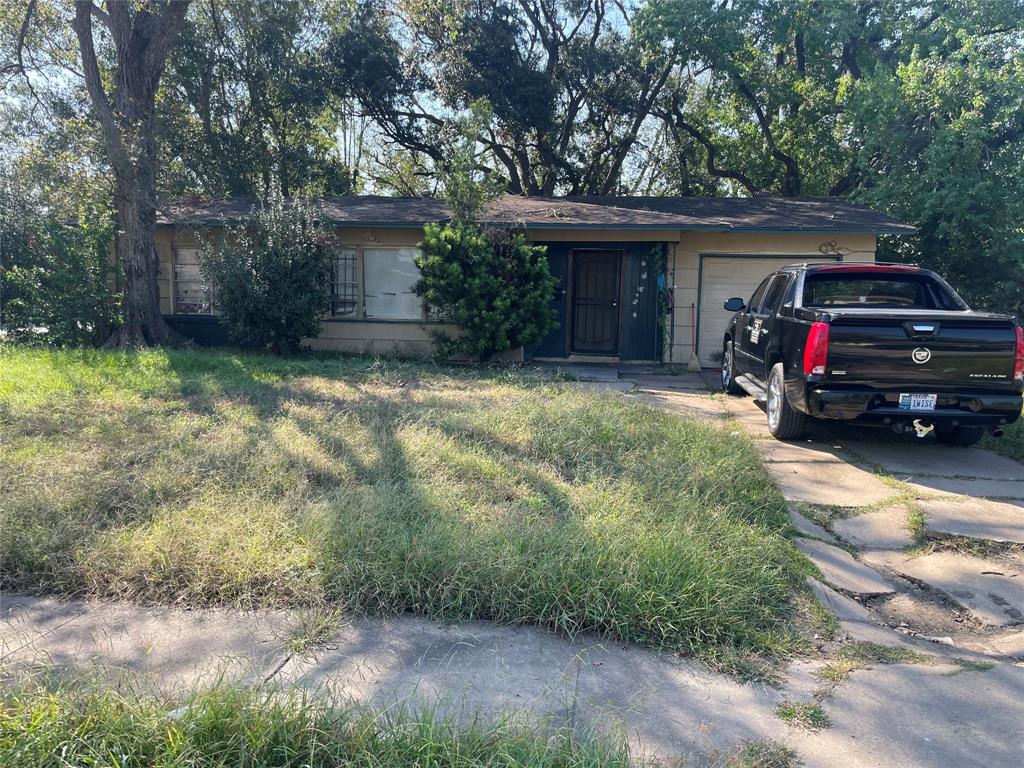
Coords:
751,387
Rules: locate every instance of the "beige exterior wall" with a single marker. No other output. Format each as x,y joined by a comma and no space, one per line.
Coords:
412,338
691,245
393,337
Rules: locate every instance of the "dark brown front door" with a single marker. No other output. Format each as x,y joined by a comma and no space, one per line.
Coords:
595,301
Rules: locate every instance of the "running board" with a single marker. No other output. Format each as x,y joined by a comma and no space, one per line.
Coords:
752,387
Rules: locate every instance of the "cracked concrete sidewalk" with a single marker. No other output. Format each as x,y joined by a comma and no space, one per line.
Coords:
668,708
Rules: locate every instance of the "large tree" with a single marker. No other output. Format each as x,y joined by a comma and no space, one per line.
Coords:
915,106
123,100
570,88
245,104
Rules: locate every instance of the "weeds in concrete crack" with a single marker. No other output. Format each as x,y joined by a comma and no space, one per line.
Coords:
809,715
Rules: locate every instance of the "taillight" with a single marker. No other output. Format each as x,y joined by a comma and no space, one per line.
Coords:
816,350
1018,356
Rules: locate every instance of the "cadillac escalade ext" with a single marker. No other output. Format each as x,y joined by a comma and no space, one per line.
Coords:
885,344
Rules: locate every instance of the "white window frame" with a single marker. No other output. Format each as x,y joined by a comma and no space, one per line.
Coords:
175,281
360,314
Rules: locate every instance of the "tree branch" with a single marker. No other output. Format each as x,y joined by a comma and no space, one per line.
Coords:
82,25
791,182
675,117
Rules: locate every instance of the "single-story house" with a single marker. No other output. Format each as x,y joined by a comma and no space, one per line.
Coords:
640,278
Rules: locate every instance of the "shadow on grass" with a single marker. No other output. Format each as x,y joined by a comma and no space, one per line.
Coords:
244,485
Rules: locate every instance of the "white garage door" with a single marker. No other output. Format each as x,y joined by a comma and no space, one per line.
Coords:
723,277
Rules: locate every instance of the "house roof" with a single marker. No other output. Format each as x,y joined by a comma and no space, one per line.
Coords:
732,214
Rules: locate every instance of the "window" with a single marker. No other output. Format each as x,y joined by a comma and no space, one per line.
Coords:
755,300
773,296
344,284
191,294
389,275
910,292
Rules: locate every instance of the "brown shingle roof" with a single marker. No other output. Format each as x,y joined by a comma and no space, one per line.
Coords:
750,214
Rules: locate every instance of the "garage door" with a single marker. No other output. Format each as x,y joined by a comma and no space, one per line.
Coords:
723,277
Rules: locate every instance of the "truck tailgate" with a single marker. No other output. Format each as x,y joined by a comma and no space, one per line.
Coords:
923,351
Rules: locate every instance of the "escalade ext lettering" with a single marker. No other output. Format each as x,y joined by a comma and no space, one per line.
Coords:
880,344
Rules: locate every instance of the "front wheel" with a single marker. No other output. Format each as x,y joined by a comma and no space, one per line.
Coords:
960,436
784,421
729,385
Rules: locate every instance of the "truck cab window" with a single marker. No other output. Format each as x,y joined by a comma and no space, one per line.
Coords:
755,300
773,296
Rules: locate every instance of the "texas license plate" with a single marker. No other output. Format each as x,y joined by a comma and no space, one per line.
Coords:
909,402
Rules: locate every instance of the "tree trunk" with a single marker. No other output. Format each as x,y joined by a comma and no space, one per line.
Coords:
142,34
143,324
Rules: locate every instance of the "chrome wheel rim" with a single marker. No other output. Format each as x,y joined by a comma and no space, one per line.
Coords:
774,402
726,368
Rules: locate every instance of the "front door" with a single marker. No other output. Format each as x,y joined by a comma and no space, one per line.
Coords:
595,301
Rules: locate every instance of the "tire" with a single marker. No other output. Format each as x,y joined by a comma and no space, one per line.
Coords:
784,421
729,385
960,436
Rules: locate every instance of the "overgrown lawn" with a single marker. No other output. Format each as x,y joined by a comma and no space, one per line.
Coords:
42,728
201,478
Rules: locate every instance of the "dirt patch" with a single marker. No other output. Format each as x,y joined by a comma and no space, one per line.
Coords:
923,614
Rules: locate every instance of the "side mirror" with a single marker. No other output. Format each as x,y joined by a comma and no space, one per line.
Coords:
735,304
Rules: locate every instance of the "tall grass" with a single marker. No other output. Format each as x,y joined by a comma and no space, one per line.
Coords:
238,727
213,478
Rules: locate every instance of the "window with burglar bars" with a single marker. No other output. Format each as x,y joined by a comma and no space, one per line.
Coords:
344,284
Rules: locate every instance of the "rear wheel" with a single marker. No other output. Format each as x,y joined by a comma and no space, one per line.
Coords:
961,436
729,385
784,421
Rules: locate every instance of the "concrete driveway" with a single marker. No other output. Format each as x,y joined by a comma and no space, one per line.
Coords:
918,546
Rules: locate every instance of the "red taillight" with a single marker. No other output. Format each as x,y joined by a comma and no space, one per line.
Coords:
1018,357
816,350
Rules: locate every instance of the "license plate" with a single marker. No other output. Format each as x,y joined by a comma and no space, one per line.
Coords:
909,402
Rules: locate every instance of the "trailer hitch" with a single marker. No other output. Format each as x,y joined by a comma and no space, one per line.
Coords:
921,428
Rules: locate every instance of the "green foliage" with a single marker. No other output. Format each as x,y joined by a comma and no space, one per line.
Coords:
494,286
56,275
247,102
915,107
204,478
941,147
89,725
466,188
271,277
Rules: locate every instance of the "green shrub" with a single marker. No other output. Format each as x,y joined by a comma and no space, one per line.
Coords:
494,286
56,275
271,277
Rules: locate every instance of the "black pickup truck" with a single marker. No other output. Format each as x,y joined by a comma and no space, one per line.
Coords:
885,344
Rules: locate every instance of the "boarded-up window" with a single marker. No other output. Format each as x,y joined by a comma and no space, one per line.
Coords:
344,283
389,275
191,293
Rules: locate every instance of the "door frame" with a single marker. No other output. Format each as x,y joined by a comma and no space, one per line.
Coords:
570,329
798,258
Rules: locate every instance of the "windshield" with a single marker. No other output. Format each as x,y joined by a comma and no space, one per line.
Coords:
889,291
